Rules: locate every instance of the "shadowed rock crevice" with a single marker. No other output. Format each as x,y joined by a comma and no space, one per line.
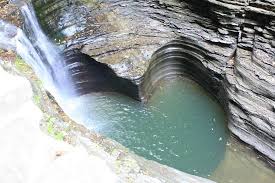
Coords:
89,76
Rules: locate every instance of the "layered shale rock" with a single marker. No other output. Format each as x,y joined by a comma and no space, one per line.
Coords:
231,41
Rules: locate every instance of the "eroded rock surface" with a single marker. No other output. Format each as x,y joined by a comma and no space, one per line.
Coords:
238,37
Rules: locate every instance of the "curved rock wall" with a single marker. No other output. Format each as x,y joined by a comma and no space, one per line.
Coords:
181,57
237,38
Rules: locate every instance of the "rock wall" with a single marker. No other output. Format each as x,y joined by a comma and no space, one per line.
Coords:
250,74
237,37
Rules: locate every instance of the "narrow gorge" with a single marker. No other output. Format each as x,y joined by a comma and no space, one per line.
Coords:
186,83
234,40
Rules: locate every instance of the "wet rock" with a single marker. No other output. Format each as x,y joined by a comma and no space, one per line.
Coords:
10,13
55,160
240,59
89,76
27,154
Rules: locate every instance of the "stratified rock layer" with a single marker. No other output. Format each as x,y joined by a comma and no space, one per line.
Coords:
237,37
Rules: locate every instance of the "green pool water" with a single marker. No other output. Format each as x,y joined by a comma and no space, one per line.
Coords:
196,126
181,126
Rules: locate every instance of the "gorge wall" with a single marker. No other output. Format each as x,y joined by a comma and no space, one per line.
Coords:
232,41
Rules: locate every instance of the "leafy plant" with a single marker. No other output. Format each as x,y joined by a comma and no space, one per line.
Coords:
21,65
37,99
52,131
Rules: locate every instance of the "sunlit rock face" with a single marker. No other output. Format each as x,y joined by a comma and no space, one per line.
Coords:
29,155
237,38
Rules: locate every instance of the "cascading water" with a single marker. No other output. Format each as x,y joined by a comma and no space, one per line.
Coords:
181,127
48,51
13,38
43,56
118,117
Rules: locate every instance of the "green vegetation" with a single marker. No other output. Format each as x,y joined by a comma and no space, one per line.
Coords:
92,3
24,68
20,65
52,131
39,83
37,99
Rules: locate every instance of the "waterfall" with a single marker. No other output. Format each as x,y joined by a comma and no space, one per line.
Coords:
38,52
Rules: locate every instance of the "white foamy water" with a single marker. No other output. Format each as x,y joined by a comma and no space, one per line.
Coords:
38,52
